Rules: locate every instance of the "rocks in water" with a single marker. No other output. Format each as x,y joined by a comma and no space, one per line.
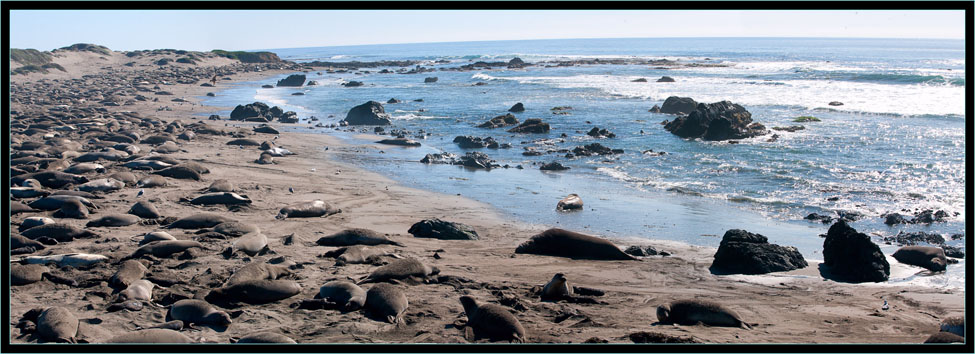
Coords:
256,109
443,158
678,105
500,121
533,125
369,113
791,129
716,121
665,79
393,100
913,238
639,80
572,202
743,252
399,142
476,159
927,216
595,149
569,244
644,251
430,80
836,103
471,142
444,230
595,132
804,119
353,84
553,166
851,256
518,107
289,117
292,80
516,63
930,258
825,219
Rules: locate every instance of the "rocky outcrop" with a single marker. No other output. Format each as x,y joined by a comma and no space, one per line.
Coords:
430,80
595,132
743,252
553,166
533,125
477,160
369,113
677,105
288,117
665,79
443,158
516,63
518,107
500,121
295,80
399,142
595,149
716,121
471,142
256,109
444,230
922,217
851,256
353,84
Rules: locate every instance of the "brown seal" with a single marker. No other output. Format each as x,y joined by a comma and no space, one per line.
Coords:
692,312
491,321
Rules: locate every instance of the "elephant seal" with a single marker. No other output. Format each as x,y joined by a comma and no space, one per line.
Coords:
266,337
77,260
357,254
152,182
255,292
226,198
145,210
85,167
57,324
235,229
199,221
156,236
192,311
563,243
51,179
945,337
34,221
18,207
312,209
152,335
54,202
491,321
351,237
344,294
163,249
27,192
401,269
72,209
692,312
179,172
257,271
195,167
386,302
58,231
103,185
572,202
140,290
264,159
26,274
18,241
147,165
126,177
220,185
251,244
930,258
116,220
557,288
129,272
954,325
244,142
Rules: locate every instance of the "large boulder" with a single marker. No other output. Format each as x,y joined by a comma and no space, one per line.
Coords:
516,63
743,252
716,121
678,105
292,80
518,107
851,256
256,109
533,125
369,113
444,230
477,160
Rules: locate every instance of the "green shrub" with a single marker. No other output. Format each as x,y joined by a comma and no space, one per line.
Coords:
29,56
86,47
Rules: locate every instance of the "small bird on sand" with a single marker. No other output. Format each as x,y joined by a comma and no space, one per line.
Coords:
885,307
292,190
141,192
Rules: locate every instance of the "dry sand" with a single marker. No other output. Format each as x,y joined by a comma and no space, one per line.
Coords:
793,307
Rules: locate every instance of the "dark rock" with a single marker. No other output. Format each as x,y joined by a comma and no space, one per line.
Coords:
393,100
836,103
553,166
894,219
851,256
500,121
289,117
929,216
533,125
826,219
600,133
518,107
477,160
594,149
639,80
444,230
641,251
516,63
353,84
399,141
470,142
913,238
267,86
665,79
716,121
791,129
743,252
678,105
954,252
369,113
430,80
256,109
294,80
444,158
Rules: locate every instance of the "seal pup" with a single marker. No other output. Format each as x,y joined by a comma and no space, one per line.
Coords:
930,258
27,192
562,243
310,209
180,172
129,272
34,221
85,167
265,159
557,288
18,207
199,221
401,269
351,237
151,335
572,202
18,241
57,324
251,244
117,220
72,209
343,294
692,312
140,290
266,337
235,229
258,271
490,321
254,292
192,311
54,202
145,210
26,274
152,182
156,236
386,302
103,185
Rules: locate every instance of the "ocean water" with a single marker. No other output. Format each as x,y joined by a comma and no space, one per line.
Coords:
897,143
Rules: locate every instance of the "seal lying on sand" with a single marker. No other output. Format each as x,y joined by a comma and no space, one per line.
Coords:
152,182
931,258
32,222
156,236
116,220
251,244
312,209
54,202
57,324
266,337
945,337
140,290
57,231
342,294
77,260
145,210
199,221
562,243
220,185
357,254
129,272
225,198
152,335
26,274
72,209
557,288
401,269
490,321
692,312
180,172
255,292
192,311
572,202
356,237
386,302
257,271
163,249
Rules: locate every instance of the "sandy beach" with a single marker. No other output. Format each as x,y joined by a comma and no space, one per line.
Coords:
795,307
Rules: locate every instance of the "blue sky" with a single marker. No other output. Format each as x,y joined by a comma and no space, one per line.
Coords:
246,30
